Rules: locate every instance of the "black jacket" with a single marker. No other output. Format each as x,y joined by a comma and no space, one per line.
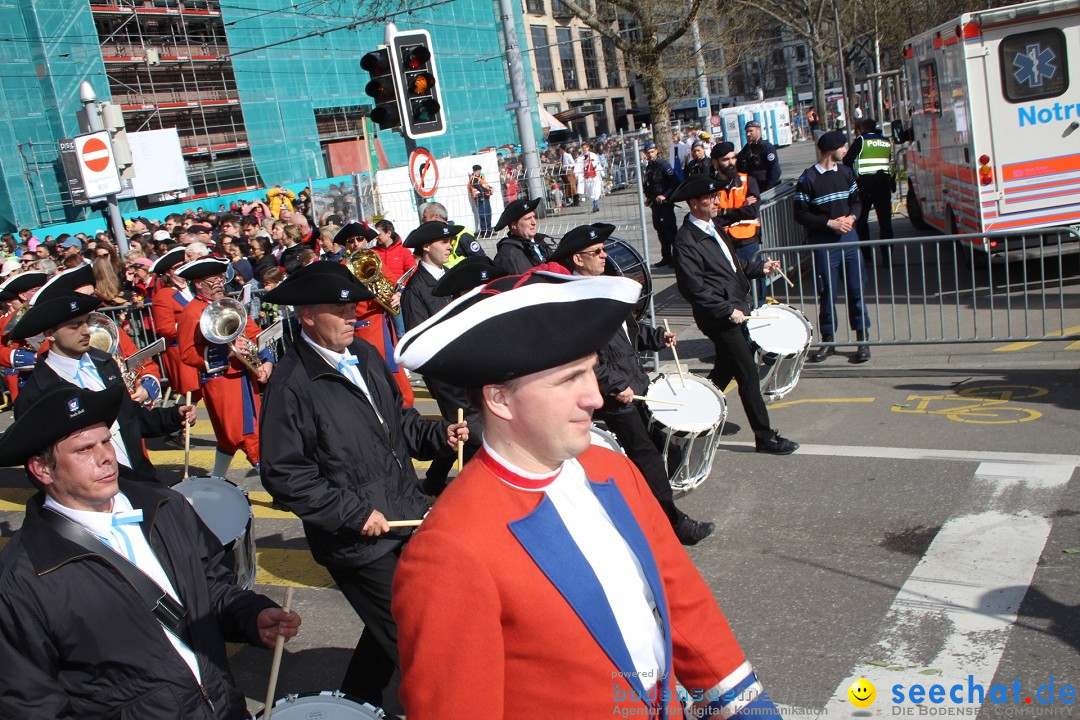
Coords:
77,643
706,279
290,258
326,456
620,367
136,422
760,161
517,255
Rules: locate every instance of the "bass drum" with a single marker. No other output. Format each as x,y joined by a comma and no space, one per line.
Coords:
625,261
325,705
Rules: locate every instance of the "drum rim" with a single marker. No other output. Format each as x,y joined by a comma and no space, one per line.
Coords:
796,314
325,694
708,385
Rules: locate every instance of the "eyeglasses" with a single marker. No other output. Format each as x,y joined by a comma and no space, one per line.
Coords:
594,253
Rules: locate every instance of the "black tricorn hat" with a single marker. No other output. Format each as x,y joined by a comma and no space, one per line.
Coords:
431,231
56,309
321,282
203,267
66,281
515,317
581,237
467,274
355,229
515,211
58,412
694,187
24,281
168,261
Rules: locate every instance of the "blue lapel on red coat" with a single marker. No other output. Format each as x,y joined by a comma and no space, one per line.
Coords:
544,536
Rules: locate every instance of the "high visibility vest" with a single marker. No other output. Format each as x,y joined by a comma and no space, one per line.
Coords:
736,198
874,157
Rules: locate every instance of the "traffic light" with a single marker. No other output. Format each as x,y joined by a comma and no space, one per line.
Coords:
418,84
381,88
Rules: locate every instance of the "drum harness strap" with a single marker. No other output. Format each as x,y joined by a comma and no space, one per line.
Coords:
169,612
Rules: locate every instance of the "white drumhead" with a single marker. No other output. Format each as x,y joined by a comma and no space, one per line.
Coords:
326,705
784,330
601,437
694,407
221,505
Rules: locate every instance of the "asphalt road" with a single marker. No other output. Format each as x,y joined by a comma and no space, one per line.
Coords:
927,532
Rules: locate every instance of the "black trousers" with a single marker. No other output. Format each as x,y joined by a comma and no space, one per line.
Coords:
875,191
375,659
735,360
666,226
631,429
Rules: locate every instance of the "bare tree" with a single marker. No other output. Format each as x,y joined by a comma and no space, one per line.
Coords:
651,28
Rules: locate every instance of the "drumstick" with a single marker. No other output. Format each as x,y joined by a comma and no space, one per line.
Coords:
460,445
279,648
786,278
404,523
657,400
187,438
763,317
678,365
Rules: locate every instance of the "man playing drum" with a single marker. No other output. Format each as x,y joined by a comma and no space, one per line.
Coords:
546,576
715,281
77,640
620,377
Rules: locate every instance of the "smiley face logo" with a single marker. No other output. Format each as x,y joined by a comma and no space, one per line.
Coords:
862,693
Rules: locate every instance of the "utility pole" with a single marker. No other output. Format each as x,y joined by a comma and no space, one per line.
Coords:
88,98
848,110
699,58
530,155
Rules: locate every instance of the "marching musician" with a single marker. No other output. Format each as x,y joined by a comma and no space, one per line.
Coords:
172,296
62,316
78,641
338,445
523,247
230,387
546,575
620,378
716,282
17,357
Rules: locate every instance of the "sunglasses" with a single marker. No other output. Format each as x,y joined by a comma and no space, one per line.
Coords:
594,253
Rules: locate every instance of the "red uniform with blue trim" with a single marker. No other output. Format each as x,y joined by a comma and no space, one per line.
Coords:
166,308
230,394
500,616
374,327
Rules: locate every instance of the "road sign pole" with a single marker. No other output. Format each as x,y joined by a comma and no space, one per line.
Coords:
116,221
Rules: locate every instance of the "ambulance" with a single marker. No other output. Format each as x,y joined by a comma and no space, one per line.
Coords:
994,101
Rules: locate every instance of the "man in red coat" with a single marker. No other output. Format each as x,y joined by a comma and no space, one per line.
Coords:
230,388
17,356
171,298
546,581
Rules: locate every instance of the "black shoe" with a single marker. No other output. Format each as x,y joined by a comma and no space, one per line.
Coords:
662,264
862,355
776,445
821,353
691,532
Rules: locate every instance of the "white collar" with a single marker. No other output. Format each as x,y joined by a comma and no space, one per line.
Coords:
703,225
333,359
822,170
65,364
513,469
435,272
99,523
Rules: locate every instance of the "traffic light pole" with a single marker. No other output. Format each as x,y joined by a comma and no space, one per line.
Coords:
116,222
530,155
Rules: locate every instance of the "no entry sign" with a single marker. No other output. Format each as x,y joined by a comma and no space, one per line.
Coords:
96,164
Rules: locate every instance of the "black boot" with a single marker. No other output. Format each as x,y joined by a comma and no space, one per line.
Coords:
821,353
691,532
863,353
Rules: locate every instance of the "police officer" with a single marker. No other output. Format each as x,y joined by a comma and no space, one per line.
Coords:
870,156
758,158
658,183
699,164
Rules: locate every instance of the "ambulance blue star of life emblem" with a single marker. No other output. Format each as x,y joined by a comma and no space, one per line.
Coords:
1034,64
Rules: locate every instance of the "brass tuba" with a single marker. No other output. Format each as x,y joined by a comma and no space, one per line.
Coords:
105,336
367,267
222,323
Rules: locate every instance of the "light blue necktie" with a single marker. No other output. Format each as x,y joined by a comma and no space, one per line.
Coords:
86,376
129,517
347,367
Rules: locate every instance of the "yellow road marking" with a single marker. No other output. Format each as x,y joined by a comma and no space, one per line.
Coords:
290,568
14,499
1011,347
1073,346
820,400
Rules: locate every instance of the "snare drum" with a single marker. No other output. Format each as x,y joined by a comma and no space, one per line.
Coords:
781,340
226,511
625,261
325,705
600,436
685,419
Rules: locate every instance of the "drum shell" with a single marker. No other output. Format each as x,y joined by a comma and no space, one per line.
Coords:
325,705
625,261
226,511
687,433
781,347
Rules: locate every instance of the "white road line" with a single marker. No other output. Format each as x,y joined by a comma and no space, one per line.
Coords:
1070,461
952,617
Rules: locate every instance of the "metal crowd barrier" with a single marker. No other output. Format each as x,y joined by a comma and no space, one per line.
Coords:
943,289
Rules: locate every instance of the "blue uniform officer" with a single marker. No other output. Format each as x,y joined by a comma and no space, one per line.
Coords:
758,158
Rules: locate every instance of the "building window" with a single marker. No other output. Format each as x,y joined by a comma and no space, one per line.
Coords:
588,54
567,58
536,7
800,53
560,11
611,62
542,52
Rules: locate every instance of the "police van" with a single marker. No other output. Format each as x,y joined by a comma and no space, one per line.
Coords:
994,102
